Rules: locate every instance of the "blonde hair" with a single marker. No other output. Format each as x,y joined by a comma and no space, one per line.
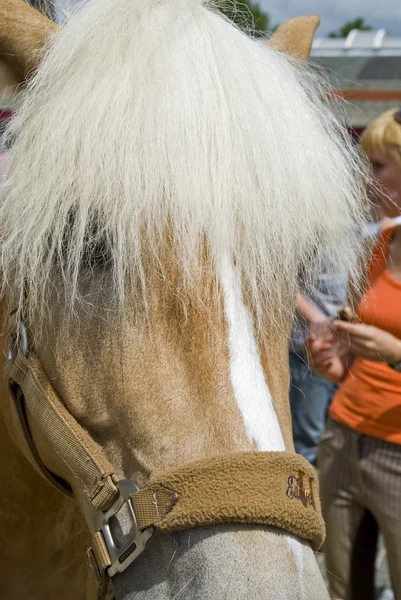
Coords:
155,115
383,135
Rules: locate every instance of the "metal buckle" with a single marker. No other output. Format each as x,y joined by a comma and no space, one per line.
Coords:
122,556
21,339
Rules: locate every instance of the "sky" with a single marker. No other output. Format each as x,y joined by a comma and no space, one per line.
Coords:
377,13
333,13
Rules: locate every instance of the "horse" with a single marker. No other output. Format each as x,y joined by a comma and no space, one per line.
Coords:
168,177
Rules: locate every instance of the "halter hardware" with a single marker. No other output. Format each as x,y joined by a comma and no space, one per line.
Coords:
277,489
122,555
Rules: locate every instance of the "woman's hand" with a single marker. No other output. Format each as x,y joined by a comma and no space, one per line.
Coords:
324,359
368,342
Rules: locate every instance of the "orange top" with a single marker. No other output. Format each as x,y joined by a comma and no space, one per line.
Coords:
369,399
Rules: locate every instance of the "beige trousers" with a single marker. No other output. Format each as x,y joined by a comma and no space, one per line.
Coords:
358,475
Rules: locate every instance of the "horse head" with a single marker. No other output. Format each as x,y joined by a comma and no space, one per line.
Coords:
168,178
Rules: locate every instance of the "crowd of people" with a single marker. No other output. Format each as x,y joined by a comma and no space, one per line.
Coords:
346,386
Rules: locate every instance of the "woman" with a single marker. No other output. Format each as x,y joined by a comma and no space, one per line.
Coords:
360,452
311,394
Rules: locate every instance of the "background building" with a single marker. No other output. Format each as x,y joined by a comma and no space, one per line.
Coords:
365,69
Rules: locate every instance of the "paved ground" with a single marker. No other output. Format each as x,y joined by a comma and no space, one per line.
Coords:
383,585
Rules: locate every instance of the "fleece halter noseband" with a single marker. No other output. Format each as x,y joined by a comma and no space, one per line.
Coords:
278,489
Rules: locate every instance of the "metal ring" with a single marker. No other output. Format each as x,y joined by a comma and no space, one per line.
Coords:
22,341
122,556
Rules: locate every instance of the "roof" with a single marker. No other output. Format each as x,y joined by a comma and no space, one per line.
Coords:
363,56
358,43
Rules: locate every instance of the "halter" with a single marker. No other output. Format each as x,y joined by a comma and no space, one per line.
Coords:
277,489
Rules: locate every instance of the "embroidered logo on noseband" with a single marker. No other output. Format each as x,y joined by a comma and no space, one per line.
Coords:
297,490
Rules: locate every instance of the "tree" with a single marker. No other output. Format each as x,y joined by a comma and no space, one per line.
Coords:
247,15
343,31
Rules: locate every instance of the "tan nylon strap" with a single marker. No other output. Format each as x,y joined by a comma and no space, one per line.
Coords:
152,504
25,442
97,583
92,584
100,551
83,458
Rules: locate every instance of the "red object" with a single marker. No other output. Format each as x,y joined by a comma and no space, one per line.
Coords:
5,114
356,132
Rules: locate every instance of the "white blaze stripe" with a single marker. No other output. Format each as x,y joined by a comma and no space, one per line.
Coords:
247,377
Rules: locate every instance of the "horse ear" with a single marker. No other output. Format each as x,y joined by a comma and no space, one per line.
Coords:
23,35
295,36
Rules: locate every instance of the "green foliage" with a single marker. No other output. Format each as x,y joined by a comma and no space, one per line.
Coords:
358,23
246,14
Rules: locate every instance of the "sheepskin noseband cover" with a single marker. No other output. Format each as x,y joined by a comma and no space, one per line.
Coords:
279,489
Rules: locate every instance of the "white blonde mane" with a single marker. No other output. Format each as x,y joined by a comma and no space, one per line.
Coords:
154,114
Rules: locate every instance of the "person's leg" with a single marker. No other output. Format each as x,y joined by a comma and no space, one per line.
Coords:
342,511
310,396
362,569
381,474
